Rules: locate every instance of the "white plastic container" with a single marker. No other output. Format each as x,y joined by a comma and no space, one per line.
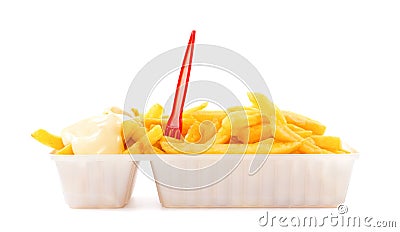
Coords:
96,181
287,180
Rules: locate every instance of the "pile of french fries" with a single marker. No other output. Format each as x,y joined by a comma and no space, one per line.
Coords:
260,128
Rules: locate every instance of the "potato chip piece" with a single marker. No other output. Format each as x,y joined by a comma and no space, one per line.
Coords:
155,111
304,122
67,150
331,143
48,139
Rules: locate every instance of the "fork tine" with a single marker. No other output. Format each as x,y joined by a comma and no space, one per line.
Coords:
177,133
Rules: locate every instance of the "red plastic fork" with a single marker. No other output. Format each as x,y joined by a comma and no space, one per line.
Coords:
174,125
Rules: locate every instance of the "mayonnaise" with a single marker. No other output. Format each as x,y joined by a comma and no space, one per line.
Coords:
96,135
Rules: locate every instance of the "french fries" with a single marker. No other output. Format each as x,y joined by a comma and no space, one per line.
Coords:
48,139
306,123
144,144
208,115
261,128
284,148
331,143
186,148
155,111
194,109
67,150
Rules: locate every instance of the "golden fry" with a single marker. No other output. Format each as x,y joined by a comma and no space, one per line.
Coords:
193,134
239,120
144,144
132,130
186,123
284,134
308,147
189,148
158,150
268,108
331,143
304,133
153,135
324,151
67,150
294,127
207,131
327,142
248,109
135,112
148,122
155,111
224,133
284,148
208,115
306,123
255,133
186,113
48,139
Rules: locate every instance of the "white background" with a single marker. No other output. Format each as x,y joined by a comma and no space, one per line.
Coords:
335,61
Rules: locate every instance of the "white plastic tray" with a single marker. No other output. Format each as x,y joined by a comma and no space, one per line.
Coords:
285,180
96,181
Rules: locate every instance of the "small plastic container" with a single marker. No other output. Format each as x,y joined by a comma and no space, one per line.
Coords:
285,180
96,181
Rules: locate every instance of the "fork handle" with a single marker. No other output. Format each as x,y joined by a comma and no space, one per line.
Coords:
175,120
